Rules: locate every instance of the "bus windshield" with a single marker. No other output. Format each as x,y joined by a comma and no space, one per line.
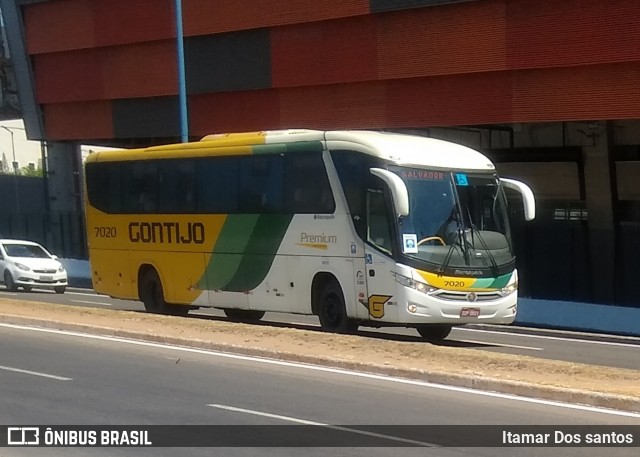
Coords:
457,221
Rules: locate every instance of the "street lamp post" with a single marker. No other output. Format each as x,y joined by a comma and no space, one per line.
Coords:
15,168
182,89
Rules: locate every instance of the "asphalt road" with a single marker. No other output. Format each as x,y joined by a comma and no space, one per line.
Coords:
557,345
49,377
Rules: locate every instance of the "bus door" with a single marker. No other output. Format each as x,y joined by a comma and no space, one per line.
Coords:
380,302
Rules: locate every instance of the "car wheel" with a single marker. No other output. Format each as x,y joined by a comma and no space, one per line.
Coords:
434,333
27,288
60,289
332,311
9,282
244,315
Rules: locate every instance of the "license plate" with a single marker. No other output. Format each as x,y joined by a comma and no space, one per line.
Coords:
470,312
46,278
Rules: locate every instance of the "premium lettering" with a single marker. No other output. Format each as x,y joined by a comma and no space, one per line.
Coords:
315,238
166,232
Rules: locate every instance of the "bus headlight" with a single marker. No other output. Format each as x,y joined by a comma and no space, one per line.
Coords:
510,288
417,285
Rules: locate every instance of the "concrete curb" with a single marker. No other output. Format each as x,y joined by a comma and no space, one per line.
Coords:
524,389
558,332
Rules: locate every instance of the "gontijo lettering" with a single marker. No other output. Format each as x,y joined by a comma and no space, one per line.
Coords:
166,232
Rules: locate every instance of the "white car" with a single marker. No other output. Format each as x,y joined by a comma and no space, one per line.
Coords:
27,264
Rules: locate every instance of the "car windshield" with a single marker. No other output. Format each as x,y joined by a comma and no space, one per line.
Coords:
25,250
456,220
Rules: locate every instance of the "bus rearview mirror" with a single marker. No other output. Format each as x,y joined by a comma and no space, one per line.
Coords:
399,192
527,196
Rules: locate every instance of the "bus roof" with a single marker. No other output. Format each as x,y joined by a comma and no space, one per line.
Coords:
399,148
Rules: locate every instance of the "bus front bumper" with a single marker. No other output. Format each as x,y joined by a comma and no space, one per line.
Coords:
457,309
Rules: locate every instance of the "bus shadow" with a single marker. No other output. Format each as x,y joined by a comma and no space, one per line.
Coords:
362,332
418,339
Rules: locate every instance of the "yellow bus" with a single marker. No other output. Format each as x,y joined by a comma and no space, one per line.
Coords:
356,227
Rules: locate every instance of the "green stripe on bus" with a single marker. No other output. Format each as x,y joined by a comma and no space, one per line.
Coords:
277,148
260,252
501,281
228,251
306,146
483,283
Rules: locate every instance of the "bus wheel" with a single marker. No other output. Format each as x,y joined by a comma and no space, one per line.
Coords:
332,311
434,333
244,315
152,295
151,292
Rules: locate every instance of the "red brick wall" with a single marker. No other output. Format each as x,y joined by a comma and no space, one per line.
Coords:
334,65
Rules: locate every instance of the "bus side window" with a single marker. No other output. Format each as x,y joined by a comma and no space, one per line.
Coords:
104,186
217,184
261,184
307,188
141,187
353,171
176,186
378,223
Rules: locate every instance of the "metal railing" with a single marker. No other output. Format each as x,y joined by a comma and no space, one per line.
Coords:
62,233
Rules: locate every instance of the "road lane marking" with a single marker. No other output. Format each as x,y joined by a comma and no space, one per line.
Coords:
503,345
86,294
91,302
322,424
12,294
35,373
544,337
340,371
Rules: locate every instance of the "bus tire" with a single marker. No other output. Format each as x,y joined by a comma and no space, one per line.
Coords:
9,282
332,311
152,295
243,315
434,333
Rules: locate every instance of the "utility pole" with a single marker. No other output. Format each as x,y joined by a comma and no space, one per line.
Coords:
182,89
15,168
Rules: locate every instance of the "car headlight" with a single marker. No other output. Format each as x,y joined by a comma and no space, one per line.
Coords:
61,269
510,288
417,285
22,267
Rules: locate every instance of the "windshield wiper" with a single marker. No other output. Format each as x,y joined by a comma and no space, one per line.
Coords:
492,259
447,259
